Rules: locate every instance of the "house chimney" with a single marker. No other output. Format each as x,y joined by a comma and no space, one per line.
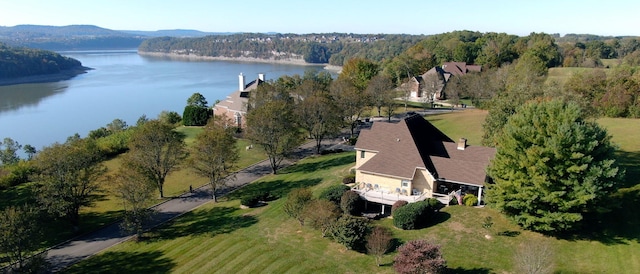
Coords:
261,76
462,143
241,82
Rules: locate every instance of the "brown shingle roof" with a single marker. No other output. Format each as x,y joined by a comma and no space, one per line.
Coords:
415,143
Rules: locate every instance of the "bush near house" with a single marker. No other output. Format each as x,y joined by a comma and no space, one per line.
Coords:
398,204
470,200
334,193
349,179
415,215
350,231
351,203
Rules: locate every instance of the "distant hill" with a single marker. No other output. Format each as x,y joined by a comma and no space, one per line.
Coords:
73,37
16,62
175,33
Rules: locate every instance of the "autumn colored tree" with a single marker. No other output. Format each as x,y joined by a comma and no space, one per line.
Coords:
419,256
358,72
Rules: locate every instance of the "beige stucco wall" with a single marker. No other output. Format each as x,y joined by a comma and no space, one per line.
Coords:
423,182
367,156
383,182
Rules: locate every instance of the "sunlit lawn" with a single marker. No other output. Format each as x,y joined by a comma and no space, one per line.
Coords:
222,238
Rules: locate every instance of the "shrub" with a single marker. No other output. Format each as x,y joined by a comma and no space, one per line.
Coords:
297,199
350,231
334,193
251,200
415,215
419,256
379,242
330,151
398,204
16,174
321,214
195,116
351,203
470,200
349,179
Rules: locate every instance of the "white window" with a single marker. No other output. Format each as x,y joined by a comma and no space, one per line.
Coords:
362,154
405,183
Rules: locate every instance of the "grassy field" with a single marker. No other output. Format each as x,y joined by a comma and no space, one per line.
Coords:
461,124
222,238
108,208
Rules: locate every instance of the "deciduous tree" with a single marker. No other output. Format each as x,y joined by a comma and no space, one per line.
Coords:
321,214
382,93
9,152
136,193
70,177
155,150
379,242
552,167
419,256
296,201
271,123
319,116
214,153
20,234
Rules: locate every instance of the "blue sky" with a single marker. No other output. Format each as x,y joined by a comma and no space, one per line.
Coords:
613,17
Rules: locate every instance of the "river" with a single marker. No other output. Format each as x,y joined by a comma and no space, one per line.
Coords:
123,85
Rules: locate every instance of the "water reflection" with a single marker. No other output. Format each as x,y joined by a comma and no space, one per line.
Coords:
15,97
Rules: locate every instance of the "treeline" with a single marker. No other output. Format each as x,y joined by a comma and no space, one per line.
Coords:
332,48
408,53
19,62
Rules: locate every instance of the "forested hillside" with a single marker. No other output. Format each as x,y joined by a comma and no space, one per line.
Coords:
332,48
74,37
19,62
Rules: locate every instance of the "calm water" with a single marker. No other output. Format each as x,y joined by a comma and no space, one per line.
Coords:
122,85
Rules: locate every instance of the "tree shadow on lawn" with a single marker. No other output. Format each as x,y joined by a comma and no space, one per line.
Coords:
276,189
460,270
125,262
347,158
214,221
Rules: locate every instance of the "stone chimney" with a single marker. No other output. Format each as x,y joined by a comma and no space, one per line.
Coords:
462,143
261,76
241,82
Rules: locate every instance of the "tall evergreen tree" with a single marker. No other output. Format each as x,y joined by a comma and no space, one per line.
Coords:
552,168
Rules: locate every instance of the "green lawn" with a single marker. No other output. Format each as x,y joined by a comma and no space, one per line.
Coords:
222,238
108,208
461,124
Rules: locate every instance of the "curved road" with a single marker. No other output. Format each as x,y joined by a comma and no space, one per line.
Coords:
71,252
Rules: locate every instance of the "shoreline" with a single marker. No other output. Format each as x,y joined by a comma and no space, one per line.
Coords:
46,78
285,61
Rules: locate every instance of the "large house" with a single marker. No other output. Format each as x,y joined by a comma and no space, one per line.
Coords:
433,82
234,106
412,160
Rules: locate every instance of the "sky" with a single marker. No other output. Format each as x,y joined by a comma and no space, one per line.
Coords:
519,17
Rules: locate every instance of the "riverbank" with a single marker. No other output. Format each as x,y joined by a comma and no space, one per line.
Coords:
193,57
46,78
